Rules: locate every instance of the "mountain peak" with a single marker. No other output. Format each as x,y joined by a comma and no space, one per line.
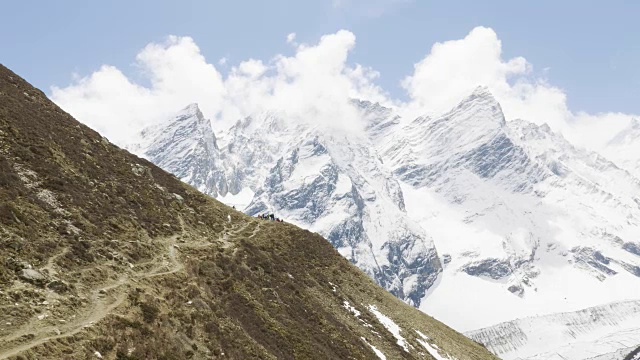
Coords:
480,108
191,110
482,91
189,135
366,104
482,94
628,135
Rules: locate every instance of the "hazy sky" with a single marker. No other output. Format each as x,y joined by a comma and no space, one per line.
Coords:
586,52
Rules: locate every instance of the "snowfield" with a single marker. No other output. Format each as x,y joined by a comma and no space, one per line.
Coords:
391,326
573,335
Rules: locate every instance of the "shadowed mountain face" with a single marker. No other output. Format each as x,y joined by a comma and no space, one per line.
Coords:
104,255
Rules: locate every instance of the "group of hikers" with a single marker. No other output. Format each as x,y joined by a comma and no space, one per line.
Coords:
265,216
270,217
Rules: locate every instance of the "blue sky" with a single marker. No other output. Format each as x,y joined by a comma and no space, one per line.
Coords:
589,49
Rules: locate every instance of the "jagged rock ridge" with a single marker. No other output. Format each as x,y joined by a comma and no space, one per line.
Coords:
196,156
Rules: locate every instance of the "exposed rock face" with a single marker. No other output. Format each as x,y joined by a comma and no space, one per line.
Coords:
493,268
588,257
632,247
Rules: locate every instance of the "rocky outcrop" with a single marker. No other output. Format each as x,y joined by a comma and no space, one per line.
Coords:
493,268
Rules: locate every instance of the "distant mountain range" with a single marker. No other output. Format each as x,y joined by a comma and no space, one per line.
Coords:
469,216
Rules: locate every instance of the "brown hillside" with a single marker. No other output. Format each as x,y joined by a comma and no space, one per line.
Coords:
104,255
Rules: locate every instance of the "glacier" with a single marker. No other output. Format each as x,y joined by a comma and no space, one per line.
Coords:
602,330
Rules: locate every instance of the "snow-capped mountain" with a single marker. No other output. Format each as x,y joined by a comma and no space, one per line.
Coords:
186,147
519,215
475,219
337,187
624,148
330,183
469,141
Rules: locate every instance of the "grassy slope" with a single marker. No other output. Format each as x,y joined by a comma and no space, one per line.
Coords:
137,265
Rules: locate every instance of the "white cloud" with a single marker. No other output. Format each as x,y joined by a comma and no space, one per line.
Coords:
116,106
222,61
315,84
454,68
593,131
291,37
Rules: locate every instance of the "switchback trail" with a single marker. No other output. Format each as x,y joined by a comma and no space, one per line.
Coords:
103,300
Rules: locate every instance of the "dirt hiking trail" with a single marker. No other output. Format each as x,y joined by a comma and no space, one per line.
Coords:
103,300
